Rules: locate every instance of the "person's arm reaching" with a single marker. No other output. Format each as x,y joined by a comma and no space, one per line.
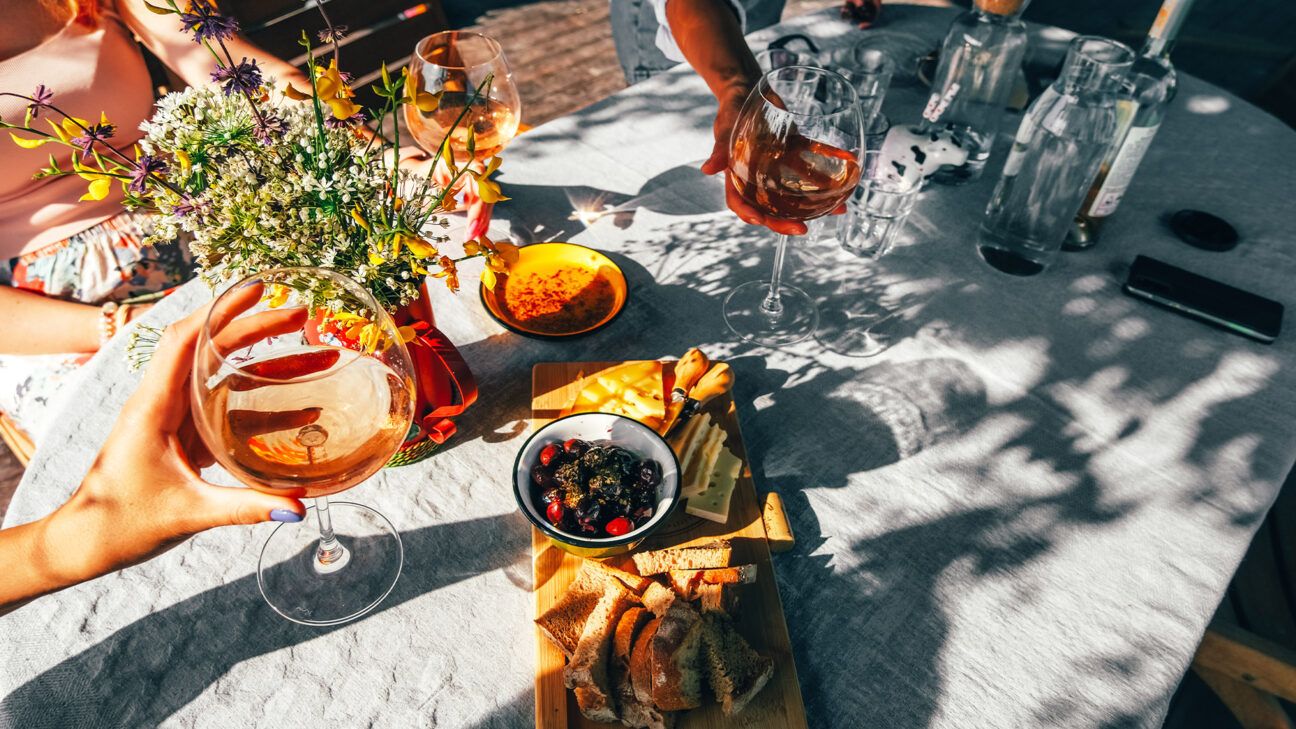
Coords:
143,494
710,37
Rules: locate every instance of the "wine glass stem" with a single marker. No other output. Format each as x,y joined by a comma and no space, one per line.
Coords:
772,306
329,550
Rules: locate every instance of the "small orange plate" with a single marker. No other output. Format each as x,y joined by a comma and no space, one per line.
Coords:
571,290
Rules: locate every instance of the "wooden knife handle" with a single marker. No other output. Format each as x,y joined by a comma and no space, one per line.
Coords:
717,381
688,370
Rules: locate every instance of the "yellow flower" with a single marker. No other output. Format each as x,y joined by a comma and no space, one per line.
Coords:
26,143
487,189
291,92
420,247
407,334
184,159
422,100
358,216
449,271
334,91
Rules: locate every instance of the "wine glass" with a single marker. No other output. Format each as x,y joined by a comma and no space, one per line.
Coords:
454,63
794,154
302,387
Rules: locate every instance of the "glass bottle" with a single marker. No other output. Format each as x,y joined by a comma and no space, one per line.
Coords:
1059,146
979,63
1153,86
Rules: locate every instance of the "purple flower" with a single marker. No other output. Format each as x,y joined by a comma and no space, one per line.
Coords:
333,34
268,128
145,166
94,133
242,77
41,99
189,206
206,24
333,122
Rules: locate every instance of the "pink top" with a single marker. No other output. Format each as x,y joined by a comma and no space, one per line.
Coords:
89,70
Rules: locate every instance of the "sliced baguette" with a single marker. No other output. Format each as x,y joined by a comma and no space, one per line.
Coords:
629,579
676,678
641,662
565,621
722,599
587,672
703,556
734,670
632,711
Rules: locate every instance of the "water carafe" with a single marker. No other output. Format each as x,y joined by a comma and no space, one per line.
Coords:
1055,156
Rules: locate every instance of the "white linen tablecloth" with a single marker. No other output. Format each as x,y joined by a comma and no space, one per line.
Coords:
1022,514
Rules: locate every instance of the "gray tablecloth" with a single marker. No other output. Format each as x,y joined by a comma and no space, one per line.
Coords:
1023,514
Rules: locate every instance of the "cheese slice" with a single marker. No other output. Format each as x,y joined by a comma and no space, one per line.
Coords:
694,434
697,474
634,389
713,503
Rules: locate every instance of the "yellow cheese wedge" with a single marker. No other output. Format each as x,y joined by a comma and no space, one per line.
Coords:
634,389
697,474
713,503
695,434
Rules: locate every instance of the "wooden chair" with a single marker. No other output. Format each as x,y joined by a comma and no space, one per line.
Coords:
1248,655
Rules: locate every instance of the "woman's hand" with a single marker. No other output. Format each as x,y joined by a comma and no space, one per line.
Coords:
143,494
731,101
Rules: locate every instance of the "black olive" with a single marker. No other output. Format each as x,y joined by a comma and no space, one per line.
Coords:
595,457
542,477
570,475
551,495
642,514
649,474
576,447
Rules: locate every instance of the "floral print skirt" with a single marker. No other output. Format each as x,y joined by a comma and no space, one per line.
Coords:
101,264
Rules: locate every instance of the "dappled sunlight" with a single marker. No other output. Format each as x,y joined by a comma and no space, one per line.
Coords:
1207,104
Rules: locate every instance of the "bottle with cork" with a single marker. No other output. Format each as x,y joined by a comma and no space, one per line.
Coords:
979,63
1140,111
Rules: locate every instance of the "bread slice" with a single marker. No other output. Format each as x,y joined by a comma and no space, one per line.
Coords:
658,598
699,557
629,579
641,662
735,671
633,712
676,678
587,671
564,622
722,599
686,582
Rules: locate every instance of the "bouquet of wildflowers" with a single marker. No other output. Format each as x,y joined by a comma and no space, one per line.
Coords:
262,176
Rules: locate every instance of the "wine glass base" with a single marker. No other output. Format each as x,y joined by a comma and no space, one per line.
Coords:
302,591
746,318
859,331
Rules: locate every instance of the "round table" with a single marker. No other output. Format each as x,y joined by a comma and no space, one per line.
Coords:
1023,514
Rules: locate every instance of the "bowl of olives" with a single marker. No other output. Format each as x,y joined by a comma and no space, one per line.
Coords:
596,484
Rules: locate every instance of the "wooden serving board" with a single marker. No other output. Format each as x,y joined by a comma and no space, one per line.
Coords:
760,613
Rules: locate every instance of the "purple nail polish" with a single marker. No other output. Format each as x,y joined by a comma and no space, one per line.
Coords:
284,515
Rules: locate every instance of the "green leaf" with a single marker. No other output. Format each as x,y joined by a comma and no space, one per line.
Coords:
386,77
157,10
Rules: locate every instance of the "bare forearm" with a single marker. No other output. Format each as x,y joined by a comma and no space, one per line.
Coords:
35,557
36,324
709,36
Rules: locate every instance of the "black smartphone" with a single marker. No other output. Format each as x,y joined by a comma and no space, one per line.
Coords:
1238,311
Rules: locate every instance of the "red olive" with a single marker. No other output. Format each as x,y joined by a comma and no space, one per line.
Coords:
548,453
554,512
619,526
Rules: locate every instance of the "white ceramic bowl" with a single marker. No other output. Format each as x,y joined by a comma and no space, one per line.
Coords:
630,434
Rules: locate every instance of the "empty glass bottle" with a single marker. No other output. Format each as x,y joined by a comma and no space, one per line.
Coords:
979,63
1055,156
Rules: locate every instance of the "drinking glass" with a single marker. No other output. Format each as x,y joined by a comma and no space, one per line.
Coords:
302,387
454,63
856,326
772,58
794,154
870,74
877,210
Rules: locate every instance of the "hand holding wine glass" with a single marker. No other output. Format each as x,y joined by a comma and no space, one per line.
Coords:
143,495
305,392
794,155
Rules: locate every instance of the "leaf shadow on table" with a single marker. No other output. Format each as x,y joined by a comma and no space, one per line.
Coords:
148,670
1011,477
